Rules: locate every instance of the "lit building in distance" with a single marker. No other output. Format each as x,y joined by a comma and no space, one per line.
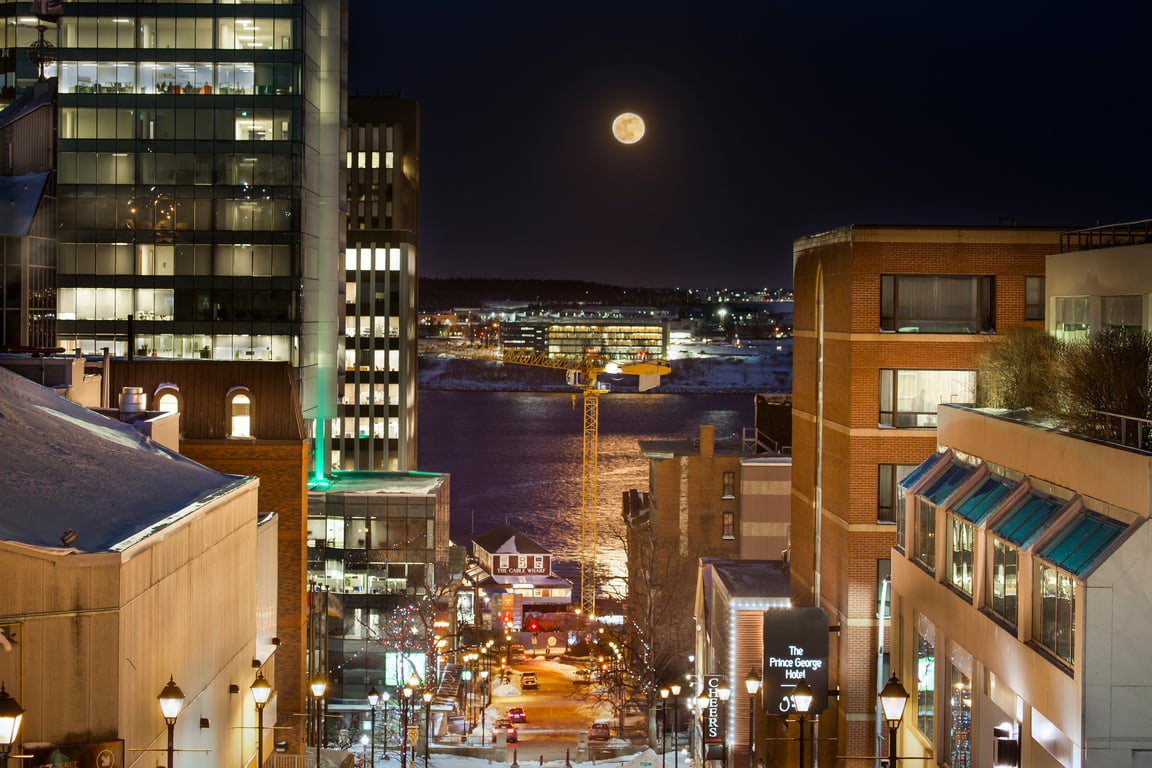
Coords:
376,428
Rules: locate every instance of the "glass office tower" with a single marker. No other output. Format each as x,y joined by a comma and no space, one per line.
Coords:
200,200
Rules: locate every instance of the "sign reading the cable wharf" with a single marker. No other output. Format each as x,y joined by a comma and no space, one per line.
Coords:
795,649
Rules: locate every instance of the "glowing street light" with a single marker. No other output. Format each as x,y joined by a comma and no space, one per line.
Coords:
171,702
261,692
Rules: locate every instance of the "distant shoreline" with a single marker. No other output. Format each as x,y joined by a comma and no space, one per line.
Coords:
749,374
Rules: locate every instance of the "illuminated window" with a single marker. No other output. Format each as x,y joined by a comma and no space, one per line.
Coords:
1055,618
1121,313
729,525
1071,318
908,398
240,413
960,708
729,491
926,677
1002,584
937,303
167,399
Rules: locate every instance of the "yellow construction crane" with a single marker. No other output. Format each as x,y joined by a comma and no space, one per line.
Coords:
584,372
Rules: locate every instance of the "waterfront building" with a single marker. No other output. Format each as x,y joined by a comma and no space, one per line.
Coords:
142,567
623,338
1019,596
376,428
513,574
889,323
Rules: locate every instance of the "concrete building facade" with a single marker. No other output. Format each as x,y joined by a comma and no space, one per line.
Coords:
889,322
1020,604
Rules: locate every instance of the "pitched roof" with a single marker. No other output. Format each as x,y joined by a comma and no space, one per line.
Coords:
69,468
504,538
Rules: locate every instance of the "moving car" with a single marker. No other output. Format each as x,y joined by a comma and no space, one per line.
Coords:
599,732
504,725
517,715
528,681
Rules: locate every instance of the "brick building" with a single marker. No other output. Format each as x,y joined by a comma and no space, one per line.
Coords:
889,322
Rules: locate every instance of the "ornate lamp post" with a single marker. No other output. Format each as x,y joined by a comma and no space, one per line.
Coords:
171,702
385,696
405,702
373,700
11,715
702,703
802,696
724,693
675,688
752,683
261,692
893,698
427,696
663,726
318,686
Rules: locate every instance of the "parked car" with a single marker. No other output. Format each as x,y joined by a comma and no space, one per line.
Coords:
505,726
528,681
599,732
517,715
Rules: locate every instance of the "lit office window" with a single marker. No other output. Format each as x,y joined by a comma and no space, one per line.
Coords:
240,413
908,398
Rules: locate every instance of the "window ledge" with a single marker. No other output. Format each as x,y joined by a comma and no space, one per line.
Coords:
242,438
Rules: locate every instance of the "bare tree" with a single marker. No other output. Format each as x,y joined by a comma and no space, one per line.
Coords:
1021,370
1109,374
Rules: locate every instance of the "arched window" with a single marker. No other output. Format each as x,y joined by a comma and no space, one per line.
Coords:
240,412
167,399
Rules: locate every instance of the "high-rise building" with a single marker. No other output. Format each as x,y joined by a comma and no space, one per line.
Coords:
200,208
376,428
889,323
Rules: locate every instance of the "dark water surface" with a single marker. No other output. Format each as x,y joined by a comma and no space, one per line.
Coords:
515,457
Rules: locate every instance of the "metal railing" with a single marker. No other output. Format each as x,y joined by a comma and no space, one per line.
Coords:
1108,236
1131,431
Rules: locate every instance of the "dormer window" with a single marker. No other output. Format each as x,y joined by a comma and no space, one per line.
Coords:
240,413
167,399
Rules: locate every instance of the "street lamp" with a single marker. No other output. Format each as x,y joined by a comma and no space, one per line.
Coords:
427,723
385,696
11,714
724,693
318,686
752,683
802,696
664,726
171,702
261,692
703,701
373,700
675,688
406,693
893,698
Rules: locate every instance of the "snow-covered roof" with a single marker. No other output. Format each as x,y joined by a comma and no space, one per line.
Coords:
505,539
68,468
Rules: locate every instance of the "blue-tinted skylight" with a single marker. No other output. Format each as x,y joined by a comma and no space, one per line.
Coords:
942,487
1026,519
909,480
1082,543
982,502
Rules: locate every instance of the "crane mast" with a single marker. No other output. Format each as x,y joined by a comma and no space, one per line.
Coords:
581,371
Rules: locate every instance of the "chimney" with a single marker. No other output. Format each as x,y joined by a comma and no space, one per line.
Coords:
132,400
707,440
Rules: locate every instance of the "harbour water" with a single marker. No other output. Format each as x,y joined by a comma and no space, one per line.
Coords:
515,458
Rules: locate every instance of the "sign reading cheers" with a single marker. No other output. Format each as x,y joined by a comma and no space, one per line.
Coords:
711,719
795,649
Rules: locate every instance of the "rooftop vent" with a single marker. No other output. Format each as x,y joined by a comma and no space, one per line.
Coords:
132,400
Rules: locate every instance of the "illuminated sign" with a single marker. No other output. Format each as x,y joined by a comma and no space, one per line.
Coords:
795,649
711,719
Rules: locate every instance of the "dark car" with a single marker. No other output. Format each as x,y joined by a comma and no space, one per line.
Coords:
517,715
599,732
505,726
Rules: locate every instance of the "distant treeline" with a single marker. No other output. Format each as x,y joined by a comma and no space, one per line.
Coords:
438,294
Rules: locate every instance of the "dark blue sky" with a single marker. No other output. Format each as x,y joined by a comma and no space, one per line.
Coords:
766,122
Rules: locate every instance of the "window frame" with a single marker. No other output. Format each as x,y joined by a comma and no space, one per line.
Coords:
1034,301
728,525
891,484
924,535
234,418
1047,625
964,581
979,316
892,382
728,490
1005,606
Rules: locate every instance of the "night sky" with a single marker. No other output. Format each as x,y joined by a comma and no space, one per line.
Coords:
766,122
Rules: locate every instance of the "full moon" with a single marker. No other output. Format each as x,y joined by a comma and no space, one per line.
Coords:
628,128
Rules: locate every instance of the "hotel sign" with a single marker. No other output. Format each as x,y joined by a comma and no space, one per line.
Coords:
795,649
93,754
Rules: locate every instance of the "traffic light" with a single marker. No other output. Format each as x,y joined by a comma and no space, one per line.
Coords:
533,626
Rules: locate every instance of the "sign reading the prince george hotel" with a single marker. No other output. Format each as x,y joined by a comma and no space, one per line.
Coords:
795,649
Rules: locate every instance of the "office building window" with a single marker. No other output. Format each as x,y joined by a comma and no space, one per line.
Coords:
908,398
1121,313
729,491
1034,297
167,399
1002,580
1055,616
925,677
925,543
961,549
729,525
937,303
1071,318
888,490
